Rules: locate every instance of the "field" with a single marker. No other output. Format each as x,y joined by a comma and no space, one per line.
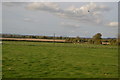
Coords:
60,60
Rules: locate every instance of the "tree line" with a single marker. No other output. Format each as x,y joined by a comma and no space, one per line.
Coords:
96,39
31,36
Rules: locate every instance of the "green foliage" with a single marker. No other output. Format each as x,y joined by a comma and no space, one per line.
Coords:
97,36
96,39
113,41
90,41
97,42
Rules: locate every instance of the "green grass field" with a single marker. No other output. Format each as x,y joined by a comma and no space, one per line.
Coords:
59,60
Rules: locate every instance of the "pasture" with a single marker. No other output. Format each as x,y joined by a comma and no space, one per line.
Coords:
22,59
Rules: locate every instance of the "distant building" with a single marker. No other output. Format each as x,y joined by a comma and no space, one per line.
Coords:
105,43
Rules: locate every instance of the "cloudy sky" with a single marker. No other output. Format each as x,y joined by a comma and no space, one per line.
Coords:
82,19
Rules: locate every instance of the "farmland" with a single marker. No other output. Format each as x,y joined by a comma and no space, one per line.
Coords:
23,59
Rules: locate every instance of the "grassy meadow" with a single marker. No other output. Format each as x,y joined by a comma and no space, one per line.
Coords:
22,59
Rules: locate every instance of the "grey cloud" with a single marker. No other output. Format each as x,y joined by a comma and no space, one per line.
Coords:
11,4
70,25
28,20
113,24
49,7
90,13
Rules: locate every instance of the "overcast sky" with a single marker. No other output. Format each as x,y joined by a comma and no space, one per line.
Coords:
82,19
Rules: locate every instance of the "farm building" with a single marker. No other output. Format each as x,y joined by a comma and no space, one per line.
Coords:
105,43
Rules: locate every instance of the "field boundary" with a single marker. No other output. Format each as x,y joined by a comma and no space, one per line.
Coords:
27,39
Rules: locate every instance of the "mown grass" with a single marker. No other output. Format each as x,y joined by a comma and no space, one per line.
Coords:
59,60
